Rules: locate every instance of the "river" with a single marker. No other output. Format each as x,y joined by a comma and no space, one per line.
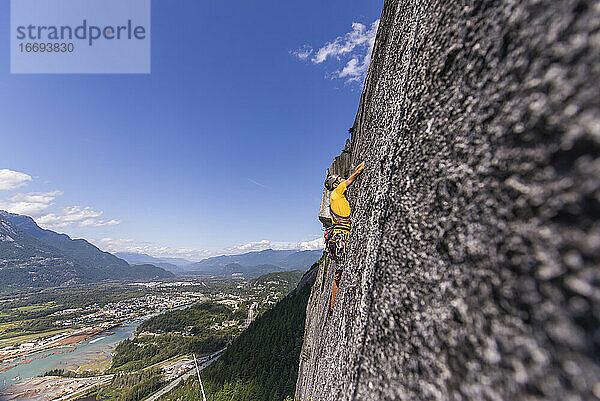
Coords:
95,349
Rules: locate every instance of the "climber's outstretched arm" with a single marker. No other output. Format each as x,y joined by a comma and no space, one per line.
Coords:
355,174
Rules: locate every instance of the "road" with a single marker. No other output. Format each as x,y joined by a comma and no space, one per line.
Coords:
170,386
53,388
251,313
210,359
103,381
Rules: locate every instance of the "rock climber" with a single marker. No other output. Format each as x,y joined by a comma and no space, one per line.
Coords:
341,216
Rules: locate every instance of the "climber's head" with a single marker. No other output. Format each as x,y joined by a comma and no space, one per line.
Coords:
332,181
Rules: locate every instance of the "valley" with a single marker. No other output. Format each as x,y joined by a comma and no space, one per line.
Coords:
125,328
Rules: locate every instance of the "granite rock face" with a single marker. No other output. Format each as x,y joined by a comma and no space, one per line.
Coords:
473,269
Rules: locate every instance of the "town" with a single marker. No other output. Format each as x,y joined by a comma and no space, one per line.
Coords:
73,323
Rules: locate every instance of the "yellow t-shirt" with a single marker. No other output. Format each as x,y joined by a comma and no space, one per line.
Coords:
340,207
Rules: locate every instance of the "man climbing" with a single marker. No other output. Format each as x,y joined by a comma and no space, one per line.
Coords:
341,216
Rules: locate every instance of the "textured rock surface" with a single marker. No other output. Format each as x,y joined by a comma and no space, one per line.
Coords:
473,268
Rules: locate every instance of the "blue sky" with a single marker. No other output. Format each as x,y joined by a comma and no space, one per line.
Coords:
221,149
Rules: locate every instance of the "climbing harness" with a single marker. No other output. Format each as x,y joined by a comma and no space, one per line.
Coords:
335,244
336,237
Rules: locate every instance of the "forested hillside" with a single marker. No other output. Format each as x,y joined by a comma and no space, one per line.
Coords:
262,363
178,332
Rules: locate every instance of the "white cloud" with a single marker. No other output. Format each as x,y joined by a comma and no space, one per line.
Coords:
303,53
342,45
354,70
130,245
250,246
99,223
353,49
83,216
10,179
35,204
317,243
30,204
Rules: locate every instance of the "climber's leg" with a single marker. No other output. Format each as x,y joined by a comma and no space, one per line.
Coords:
337,246
330,247
334,290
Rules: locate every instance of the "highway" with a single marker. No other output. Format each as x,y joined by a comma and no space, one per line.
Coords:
170,386
251,313
102,381
207,361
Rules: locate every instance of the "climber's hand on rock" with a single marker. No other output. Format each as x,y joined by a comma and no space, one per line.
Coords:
358,170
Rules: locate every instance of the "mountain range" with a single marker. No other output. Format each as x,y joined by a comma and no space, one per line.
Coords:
175,265
33,256
251,264
256,263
